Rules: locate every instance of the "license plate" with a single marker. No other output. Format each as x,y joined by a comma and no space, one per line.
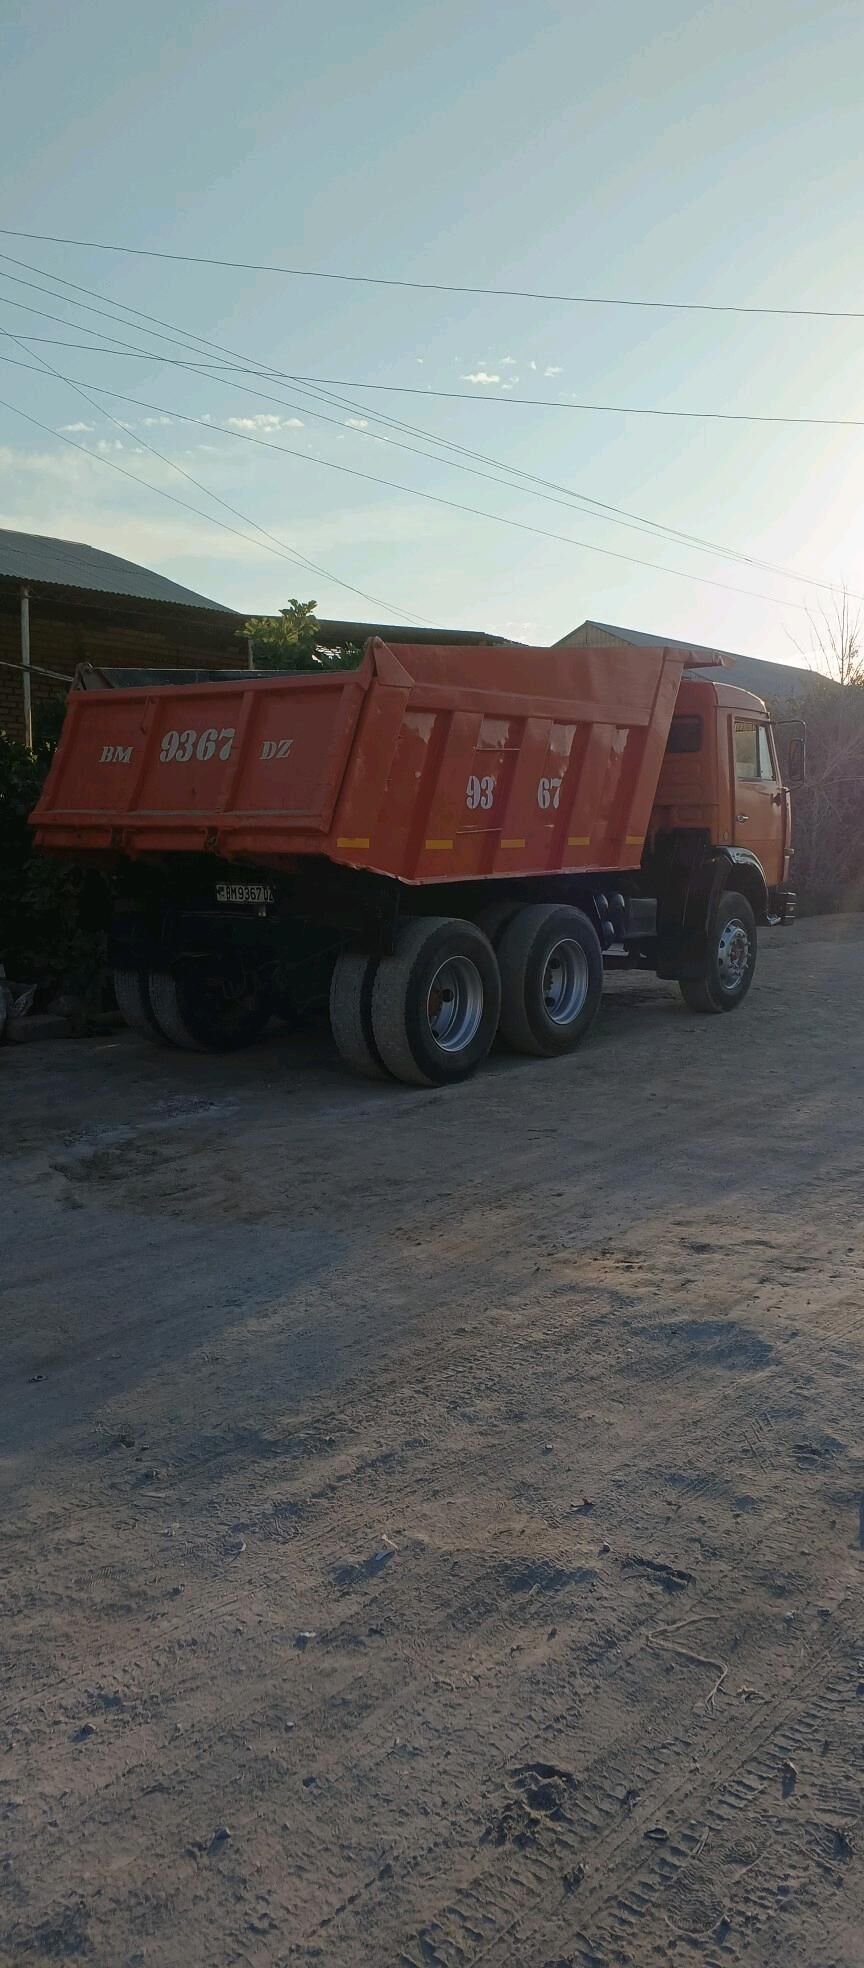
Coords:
244,892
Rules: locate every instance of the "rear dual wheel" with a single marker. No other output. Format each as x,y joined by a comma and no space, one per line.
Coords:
428,1013
551,967
351,1014
203,1004
133,1002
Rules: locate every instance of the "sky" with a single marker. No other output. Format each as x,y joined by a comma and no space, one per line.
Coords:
674,152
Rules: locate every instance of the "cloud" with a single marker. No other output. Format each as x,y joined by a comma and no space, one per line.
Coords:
73,430
509,362
532,365
522,631
553,371
480,376
154,423
266,420
356,423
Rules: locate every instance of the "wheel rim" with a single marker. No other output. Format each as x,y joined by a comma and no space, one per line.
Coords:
454,1004
733,954
565,982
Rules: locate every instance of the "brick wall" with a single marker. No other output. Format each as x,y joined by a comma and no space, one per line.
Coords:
66,632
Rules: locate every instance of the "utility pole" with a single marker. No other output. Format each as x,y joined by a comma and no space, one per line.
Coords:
25,666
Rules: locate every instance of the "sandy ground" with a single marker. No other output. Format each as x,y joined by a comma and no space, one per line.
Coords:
432,1523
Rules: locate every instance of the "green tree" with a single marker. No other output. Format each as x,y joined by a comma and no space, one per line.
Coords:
290,641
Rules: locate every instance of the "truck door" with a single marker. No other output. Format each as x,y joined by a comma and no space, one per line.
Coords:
759,801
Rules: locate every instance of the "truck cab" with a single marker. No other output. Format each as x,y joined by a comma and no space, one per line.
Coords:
721,779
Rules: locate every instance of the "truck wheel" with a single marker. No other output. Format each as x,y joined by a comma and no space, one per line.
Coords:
206,1005
493,919
731,959
435,1001
351,1014
551,979
133,1003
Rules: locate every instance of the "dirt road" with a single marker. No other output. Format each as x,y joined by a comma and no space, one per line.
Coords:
432,1526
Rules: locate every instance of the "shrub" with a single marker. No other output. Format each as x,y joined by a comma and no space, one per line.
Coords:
53,916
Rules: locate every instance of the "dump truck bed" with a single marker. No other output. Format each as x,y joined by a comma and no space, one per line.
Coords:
433,763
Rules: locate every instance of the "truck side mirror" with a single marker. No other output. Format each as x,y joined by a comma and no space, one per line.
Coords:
793,752
795,762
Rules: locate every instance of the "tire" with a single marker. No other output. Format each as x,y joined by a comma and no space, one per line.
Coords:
493,919
351,1014
200,1007
717,990
133,1003
436,1001
551,979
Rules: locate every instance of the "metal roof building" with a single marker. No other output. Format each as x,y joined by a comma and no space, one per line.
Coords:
63,602
34,558
780,681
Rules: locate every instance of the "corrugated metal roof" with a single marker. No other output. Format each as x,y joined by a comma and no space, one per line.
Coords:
757,673
72,564
331,634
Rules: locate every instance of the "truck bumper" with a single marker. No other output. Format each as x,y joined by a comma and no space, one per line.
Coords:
781,905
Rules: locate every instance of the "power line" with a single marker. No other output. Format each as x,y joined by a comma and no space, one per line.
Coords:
316,385
437,499
269,374
599,409
599,508
281,552
297,558
248,366
111,345
439,286
620,517
448,396
181,339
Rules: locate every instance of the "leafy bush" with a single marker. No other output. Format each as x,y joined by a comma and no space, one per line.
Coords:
53,916
289,641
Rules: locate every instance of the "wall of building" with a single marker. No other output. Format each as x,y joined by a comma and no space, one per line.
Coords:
589,637
65,633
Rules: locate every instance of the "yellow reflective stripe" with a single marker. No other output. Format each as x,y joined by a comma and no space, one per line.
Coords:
579,840
345,840
436,847
513,843
634,840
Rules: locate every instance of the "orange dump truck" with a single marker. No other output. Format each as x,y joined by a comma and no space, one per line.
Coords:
445,843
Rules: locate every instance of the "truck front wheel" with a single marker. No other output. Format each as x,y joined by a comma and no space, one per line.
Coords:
730,961
551,979
209,1004
435,1001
